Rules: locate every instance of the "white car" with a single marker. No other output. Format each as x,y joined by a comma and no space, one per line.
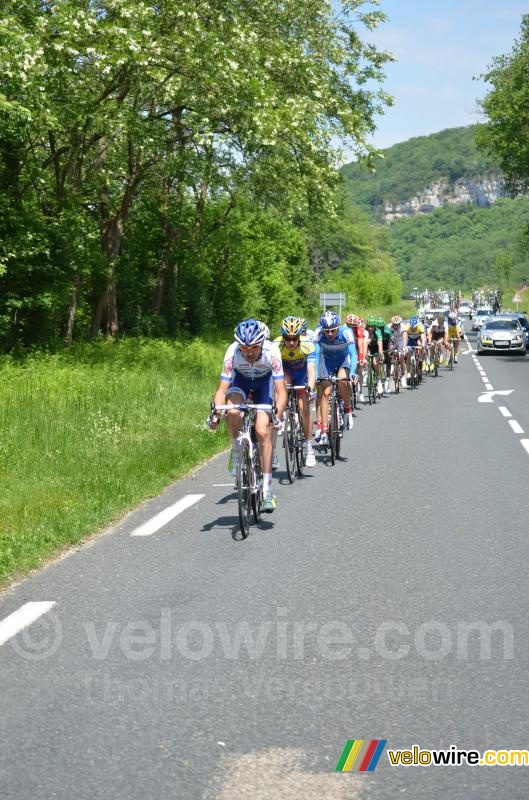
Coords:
465,310
481,316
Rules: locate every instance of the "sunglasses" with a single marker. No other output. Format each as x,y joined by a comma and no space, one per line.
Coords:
248,348
332,330
291,338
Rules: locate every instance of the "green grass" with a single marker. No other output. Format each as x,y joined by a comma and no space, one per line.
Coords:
89,433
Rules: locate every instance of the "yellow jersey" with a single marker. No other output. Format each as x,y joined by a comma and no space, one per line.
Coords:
304,353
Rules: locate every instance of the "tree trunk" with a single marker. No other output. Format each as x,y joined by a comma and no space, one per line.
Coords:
72,308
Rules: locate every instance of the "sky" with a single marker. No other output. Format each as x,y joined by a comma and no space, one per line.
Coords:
440,46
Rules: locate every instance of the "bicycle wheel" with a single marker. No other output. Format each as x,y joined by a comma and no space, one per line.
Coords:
396,377
372,386
289,436
244,494
300,450
354,395
339,427
257,497
451,360
413,374
436,364
333,432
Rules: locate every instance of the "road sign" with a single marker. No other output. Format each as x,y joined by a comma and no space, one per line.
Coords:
332,299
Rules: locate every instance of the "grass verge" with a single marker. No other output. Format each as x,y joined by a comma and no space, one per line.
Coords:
89,433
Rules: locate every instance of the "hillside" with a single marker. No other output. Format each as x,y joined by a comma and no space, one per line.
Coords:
463,246
425,173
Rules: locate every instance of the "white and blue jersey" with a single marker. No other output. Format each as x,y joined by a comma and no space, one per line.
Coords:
244,376
333,354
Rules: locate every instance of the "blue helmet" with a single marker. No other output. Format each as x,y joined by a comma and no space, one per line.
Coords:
250,332
329,320
414,322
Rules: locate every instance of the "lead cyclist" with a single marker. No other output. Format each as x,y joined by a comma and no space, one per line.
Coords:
252,364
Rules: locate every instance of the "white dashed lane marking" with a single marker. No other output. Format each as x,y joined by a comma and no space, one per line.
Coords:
515,426
21,618
155,523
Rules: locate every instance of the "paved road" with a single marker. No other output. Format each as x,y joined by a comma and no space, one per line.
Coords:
187,664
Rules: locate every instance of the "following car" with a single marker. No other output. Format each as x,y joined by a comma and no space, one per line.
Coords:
501,333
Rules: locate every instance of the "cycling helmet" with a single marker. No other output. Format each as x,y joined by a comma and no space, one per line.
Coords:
452,316
414,322
329,320
381,322
291,326
371,322
421,316
304,325
396,320
265,329
361,322
352,320
249,333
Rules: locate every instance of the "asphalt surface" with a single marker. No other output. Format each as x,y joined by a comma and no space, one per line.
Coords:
190,664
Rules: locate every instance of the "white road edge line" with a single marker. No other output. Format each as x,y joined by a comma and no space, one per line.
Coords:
489,387
504,411
155,523
525,443
224,484
23,617
517,428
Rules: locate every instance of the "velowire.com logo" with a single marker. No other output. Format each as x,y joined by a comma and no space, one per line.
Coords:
360,755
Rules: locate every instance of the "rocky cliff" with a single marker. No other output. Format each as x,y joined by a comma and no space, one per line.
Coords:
481,192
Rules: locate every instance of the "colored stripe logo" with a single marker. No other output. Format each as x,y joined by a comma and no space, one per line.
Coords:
360,755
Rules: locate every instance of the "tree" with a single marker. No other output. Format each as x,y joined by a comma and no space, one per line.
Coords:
506,106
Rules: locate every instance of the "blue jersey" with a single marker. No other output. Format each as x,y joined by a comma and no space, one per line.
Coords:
336,350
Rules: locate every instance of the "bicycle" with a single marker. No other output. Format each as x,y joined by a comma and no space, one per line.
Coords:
249,475
397,370
436,358
336,417
413,382
371,380
450,364
293,438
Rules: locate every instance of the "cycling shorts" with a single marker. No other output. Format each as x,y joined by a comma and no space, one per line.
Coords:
373,346
437,336
414,342
298,377
262,389
329,366
453,332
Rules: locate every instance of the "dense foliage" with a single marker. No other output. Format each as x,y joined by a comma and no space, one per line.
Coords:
166,167
357,257
507,109
409,167
463,246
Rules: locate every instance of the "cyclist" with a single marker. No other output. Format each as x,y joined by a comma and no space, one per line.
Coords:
253,364
376,349
454,331
438,332
388,343
421,316
306,330
335,352
415,336
299,364
361,340
398,334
